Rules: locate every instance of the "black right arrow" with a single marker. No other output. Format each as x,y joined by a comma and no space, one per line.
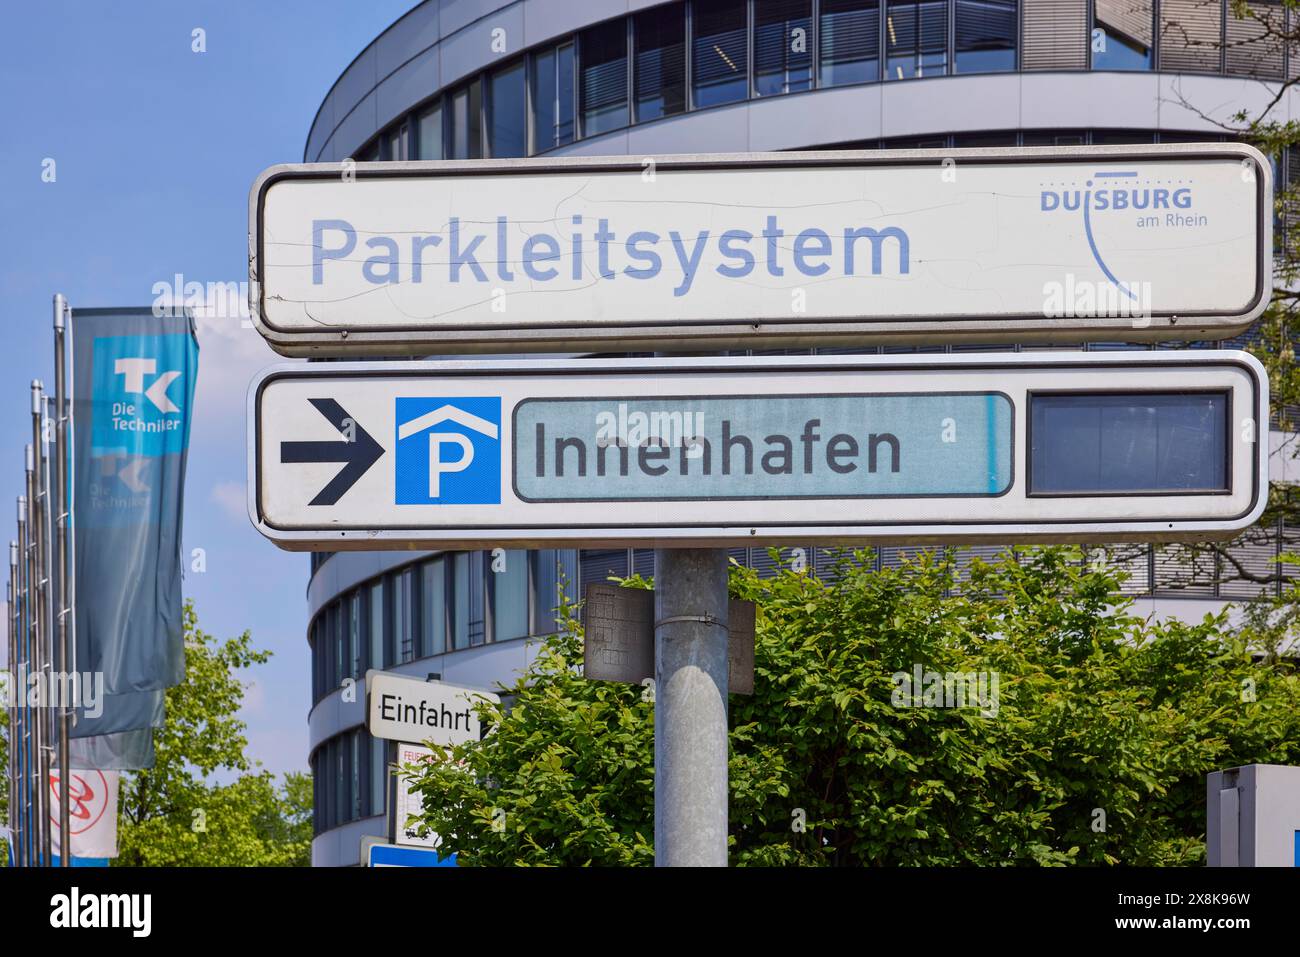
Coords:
360,453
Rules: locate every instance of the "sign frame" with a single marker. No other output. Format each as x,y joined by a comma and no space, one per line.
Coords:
1151,527
704,334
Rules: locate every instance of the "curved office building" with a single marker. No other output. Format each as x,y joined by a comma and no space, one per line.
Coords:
462,79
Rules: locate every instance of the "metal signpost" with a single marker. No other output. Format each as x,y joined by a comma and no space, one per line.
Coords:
691,455
761,250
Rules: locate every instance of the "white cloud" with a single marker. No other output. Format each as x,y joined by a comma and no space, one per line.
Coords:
232,499
230,354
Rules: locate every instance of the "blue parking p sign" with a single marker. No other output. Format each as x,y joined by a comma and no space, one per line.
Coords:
448,451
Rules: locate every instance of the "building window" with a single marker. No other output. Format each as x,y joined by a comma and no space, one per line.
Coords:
433,607
429,133
355,621
354,744
396,143
1054,138
782,46
377,643
339,642
1123,33
403,620
546,591
507,591
378,775
659,63
984,34
553,98
460,608
850,42
603,88
916,39
477,599
465,134
719,60
507,114
339,755
317,663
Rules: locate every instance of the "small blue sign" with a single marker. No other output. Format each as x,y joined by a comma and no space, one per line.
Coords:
391,855
142,388
448,451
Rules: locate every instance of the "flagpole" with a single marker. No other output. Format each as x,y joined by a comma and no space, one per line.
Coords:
18,737
57,688
11,771
37,523
24,790
33,735
59,505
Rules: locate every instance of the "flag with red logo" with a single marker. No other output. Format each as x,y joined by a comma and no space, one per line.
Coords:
92,813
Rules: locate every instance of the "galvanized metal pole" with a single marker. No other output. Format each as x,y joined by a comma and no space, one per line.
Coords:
40,588
18,736
59,508
691,707
11,689
20,586
35,793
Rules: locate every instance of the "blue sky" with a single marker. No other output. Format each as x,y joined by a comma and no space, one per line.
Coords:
155,148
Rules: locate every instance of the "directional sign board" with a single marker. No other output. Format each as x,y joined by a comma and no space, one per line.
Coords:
401,708
1059,446
375,853
768,249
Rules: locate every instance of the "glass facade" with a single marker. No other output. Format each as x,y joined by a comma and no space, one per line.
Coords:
783,53
719,53
445,603
849,42
984,36
552,97
1123,35
602,83
347,779
694,55
916,39
659,64
507,114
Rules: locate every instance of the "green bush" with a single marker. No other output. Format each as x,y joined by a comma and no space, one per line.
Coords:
1104,728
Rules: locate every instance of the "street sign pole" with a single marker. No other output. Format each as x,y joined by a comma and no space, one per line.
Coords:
691,707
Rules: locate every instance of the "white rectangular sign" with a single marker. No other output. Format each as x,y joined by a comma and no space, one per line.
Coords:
768,249
408,803
401,708
1060,446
